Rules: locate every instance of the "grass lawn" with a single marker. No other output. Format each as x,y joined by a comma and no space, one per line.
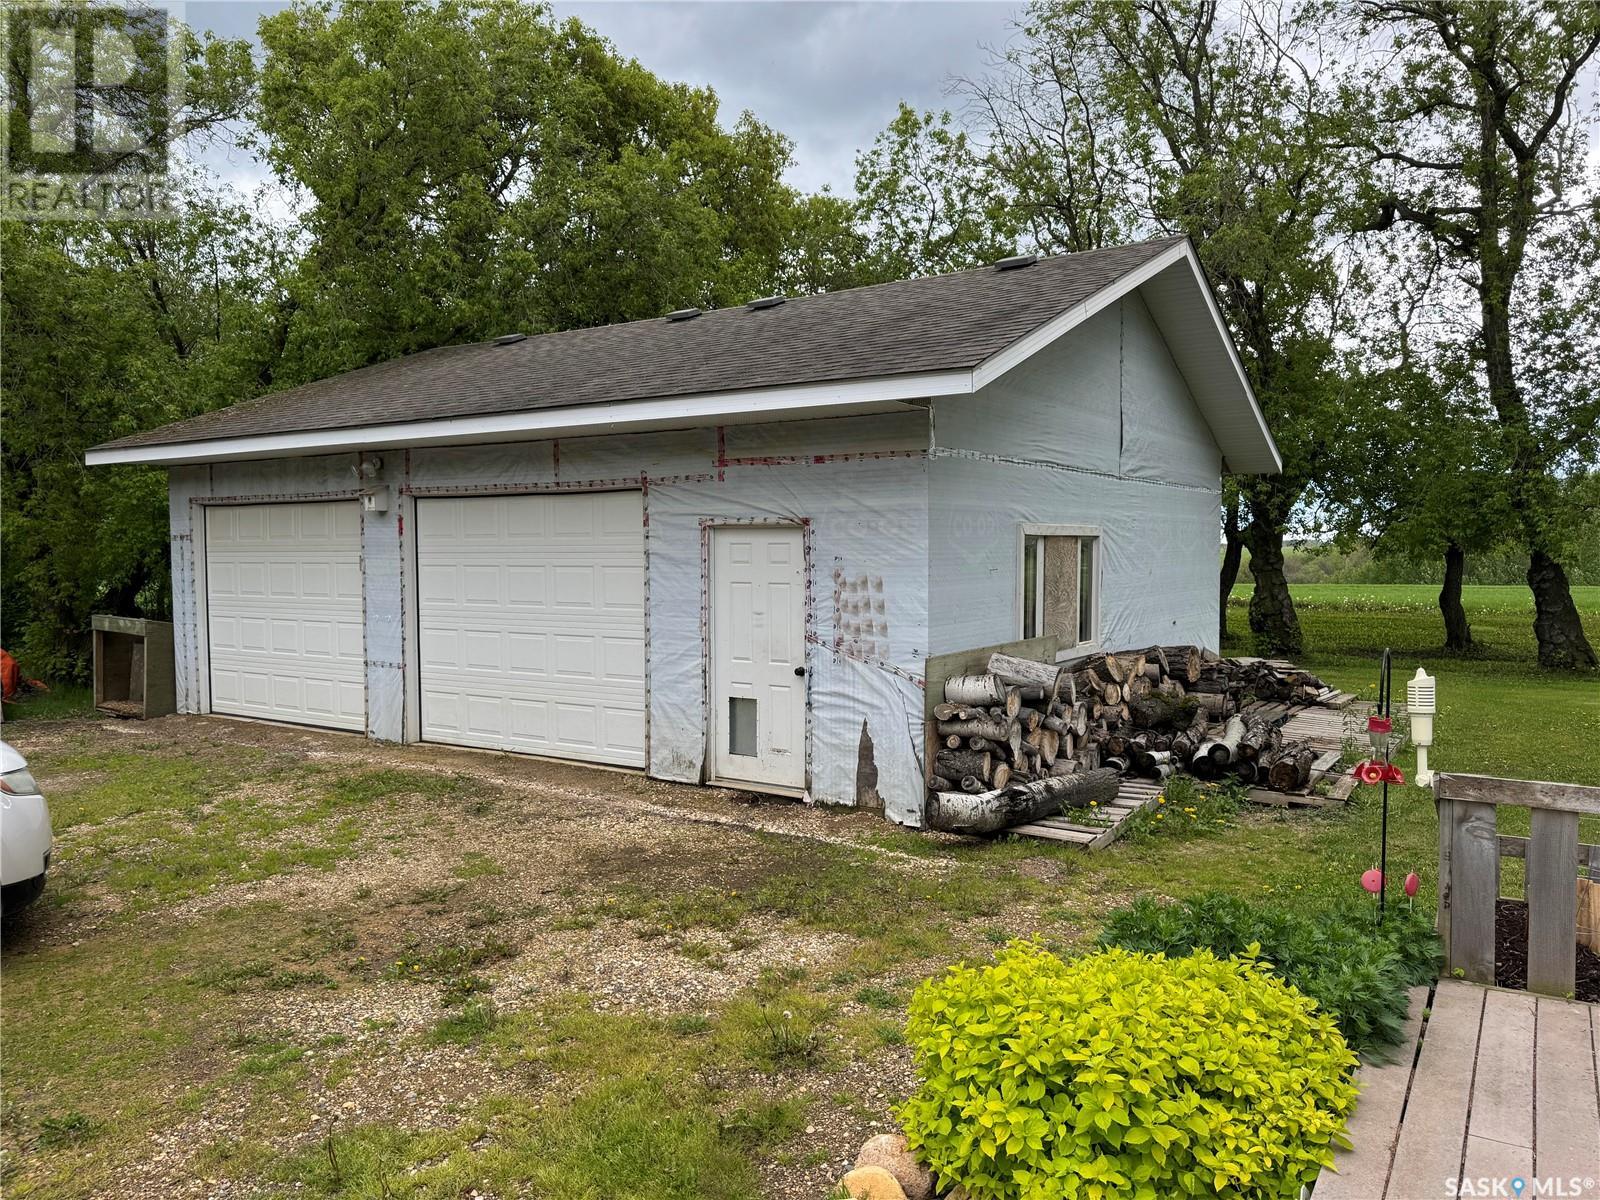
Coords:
275,962
1498,714
61,701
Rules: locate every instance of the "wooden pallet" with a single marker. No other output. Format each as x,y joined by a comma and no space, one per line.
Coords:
1324,730
1080,829
1320,728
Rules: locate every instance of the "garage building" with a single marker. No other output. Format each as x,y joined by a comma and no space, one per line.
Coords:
718,547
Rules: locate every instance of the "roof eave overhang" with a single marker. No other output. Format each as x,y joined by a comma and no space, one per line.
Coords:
844,398
1200,344
1170,284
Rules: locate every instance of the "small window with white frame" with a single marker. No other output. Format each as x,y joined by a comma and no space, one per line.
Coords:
1060,584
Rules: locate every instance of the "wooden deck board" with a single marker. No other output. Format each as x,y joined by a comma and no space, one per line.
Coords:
1503,1085
1341,787
1566,1123
1434,1134
1362,1171
1492,1160
1289,799
1502,1089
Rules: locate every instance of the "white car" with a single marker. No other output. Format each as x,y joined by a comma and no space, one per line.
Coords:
24,833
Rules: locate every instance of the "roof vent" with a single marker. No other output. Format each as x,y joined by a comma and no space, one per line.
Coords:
765,302
507,339
683,314
1016,261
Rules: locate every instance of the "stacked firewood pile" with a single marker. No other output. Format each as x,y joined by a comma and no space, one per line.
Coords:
1148,712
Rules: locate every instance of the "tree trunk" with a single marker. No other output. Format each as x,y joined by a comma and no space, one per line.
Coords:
1562,645
1257,737
1022,672
1457,633
993,811
1226,748
984,727
955,764
1290,769
1273,621
1107,666
1183,662
1232,555
982,690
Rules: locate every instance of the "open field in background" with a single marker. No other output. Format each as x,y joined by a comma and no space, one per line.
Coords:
1406,597
1499,714
275,961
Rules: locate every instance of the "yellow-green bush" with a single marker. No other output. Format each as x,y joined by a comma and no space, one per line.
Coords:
1124,1075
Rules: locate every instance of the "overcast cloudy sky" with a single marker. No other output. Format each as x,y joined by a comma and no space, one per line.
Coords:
826,73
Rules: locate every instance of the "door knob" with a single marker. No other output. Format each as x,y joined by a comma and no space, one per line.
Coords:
799,670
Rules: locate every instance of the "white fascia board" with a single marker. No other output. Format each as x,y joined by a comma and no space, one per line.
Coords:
1223,333
852,397
1032,343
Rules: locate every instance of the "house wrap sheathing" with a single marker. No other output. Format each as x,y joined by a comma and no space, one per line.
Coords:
911,522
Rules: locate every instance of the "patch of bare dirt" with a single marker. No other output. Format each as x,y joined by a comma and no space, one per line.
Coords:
418,1087
620,971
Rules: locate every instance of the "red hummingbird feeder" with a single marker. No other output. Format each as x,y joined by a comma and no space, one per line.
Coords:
1379,770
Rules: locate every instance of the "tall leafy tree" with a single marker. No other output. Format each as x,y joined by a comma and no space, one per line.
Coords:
1421,481
930,199
826,248
110,330
474,166
1483,151
1418,481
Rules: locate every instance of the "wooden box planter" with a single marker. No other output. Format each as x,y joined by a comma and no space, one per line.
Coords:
1470,850
133,667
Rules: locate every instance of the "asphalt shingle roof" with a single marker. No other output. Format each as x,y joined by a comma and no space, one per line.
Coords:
939,323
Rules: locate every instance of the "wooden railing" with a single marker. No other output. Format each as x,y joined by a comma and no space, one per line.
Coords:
1470,849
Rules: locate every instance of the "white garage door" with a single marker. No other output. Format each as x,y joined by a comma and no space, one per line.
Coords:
531,613
283,608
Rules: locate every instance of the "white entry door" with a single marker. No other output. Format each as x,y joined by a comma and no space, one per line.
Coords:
530,611
284,615
758,656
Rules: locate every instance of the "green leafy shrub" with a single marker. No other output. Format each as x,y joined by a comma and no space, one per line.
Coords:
1356,970
1123,1075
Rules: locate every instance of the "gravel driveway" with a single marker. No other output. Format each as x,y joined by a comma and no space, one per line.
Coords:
277,961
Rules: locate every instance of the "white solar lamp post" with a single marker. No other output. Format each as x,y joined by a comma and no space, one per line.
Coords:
1422,703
